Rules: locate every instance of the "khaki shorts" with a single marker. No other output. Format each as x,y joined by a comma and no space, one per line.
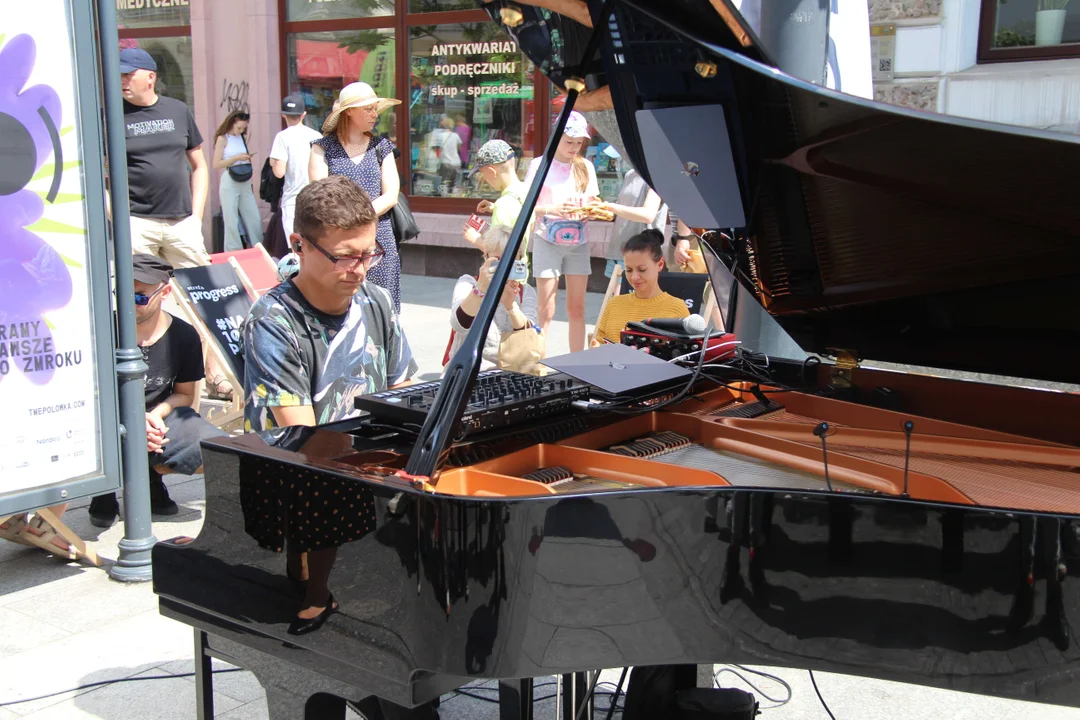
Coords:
179,242
552,261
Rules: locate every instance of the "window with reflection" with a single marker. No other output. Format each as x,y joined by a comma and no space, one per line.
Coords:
420,6
1035,23
321,63
336,9
469,83
175,77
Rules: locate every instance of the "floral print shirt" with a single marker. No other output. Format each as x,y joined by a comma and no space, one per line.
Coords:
295,354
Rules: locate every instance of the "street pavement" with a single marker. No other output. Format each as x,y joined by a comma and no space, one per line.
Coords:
65,625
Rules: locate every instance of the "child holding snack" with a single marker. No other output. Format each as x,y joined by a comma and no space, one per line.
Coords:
560,246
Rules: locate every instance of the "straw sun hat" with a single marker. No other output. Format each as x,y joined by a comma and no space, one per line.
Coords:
355,95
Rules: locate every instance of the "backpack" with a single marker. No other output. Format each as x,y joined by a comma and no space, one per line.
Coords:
271,186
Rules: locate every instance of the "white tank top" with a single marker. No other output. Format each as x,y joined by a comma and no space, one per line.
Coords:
234,145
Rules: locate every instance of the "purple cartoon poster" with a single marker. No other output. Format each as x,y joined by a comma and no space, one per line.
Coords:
48,395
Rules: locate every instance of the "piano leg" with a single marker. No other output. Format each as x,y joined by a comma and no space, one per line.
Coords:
577,701
516,699
204,679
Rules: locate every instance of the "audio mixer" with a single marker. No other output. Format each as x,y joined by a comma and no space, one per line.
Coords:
498,399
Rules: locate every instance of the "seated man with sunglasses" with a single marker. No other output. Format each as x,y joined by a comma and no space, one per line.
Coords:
324,336
173,353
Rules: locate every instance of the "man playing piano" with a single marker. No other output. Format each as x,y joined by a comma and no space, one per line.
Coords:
311,345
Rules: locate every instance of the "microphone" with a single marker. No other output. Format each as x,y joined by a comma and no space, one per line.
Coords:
821,431
690,325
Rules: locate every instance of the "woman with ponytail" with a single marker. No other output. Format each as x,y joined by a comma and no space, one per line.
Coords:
644,259
560,246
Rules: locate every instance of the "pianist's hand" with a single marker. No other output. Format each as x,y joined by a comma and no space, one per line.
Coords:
155,433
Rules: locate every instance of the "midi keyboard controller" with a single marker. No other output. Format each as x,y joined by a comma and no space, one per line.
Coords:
499,399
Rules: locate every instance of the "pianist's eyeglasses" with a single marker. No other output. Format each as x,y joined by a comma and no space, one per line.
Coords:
142,300
345,263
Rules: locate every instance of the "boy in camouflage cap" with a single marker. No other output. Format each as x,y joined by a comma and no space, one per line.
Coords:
497,166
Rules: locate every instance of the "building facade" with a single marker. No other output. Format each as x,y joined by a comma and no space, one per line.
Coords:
1000,60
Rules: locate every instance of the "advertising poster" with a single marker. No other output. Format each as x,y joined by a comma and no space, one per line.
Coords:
48,380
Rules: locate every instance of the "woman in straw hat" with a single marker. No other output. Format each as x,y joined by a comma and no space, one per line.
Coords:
350,148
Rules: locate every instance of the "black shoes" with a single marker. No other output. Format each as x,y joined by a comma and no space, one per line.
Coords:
160,502
103,510
303,626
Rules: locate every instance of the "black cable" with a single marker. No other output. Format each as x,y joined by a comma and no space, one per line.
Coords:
814,682
99,683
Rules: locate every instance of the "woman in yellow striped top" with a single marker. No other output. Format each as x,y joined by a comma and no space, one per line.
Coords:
644,260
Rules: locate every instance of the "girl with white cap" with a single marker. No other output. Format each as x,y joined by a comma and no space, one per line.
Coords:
349,147
560,246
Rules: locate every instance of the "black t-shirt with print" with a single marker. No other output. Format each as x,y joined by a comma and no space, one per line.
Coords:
175,358
158,138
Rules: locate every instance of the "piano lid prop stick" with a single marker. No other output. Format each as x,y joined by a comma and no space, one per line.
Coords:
821,431
456,386
908,427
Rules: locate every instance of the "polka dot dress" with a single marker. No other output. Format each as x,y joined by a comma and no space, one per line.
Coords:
303,510
368,175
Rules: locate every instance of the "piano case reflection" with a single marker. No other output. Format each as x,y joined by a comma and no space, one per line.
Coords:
900,524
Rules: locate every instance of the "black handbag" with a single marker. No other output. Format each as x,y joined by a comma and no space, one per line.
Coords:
401,217
245,171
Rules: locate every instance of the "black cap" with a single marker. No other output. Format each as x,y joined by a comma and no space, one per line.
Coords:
132,59
293,105
150,269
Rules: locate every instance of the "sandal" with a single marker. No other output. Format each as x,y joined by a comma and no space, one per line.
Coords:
40,533
13,529
219,388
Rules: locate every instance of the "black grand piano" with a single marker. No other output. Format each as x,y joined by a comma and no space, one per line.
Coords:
785,511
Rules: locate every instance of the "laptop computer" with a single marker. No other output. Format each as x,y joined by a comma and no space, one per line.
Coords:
619,371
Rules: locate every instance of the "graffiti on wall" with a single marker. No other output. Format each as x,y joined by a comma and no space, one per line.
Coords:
234,95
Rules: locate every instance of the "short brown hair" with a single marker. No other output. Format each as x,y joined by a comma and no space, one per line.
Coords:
333,202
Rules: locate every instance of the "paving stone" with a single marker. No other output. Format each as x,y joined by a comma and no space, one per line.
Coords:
168,699
112,650
97,603
19,632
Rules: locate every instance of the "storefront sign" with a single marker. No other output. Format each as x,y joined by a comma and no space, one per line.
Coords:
149,4
49,427
883,51
450,60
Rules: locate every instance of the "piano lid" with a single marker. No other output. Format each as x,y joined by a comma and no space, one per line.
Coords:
898,235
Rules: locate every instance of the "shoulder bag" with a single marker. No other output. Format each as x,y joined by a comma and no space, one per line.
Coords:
401,217
244,171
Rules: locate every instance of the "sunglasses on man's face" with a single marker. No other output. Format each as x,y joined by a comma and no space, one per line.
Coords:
347,263
143,300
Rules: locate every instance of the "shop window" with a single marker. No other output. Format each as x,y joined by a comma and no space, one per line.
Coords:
469,83
421,6
174,70
1028,29
321,63
336,9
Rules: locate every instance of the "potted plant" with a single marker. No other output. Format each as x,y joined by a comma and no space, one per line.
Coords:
1049,21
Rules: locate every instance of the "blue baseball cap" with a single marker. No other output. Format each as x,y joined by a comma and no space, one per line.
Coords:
132,59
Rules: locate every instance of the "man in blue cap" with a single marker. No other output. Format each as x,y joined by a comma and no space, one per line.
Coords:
167,202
